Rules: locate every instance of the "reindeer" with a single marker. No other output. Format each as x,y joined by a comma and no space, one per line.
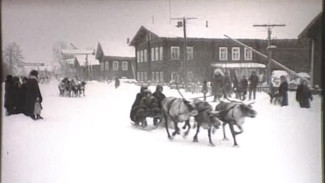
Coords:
178,110
234,113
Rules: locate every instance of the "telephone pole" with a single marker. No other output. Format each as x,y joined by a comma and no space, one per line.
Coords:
269,32
182,23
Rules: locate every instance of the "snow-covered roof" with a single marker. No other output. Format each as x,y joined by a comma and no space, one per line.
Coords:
81,59
238,65
76,52
114,48
192,31
69,61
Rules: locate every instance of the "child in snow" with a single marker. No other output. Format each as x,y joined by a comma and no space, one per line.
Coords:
204,89
303,95
37,109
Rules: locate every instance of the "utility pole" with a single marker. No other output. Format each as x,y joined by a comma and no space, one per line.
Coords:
184,65
269,32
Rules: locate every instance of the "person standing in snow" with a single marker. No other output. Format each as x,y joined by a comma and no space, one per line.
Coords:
253,81
205,90
32,93
243,87
117,82
303,95
9,95
283,91
217,84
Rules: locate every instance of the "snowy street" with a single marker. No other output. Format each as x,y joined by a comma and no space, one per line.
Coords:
91,139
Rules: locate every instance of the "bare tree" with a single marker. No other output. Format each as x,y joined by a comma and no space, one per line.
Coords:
13,57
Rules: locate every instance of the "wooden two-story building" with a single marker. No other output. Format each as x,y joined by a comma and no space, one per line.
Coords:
116,60
160,54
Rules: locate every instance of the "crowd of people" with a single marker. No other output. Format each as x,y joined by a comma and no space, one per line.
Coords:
224,86
71,87
22,95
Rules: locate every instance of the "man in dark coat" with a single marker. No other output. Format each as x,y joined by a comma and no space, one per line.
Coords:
228,87
243,87
117,82
149,107
303,95
22,96
136,104
253,81
17,97
9,95
283,91
32,93
160,97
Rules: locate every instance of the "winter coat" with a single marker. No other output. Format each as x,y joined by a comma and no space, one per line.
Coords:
283,91
32,92
304,96
159,96
9,96
253,81
136,105
228,84
205,88
217,84
117,83
243,85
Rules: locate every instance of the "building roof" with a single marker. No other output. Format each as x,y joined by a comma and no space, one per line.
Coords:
171,31
304,33
69,61
76,52
119,49
81,59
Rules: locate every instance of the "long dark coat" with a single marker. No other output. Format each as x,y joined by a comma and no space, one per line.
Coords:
160,96
303,96
32,92
9,96
218,84
283,91
253,81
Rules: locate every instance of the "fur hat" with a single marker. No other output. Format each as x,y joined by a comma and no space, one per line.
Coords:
33,73
147,91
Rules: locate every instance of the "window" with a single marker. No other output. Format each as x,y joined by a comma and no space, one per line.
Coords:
141,76
248,54
162,77
106,66
141,56
189,53
138,56
145,55
115,65
235,53
223,53
124,65
161,53
145,76
138,76
152,54
152,76
156,53
175,52
102,64
157,76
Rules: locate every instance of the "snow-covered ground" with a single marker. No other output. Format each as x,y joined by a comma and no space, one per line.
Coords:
90,139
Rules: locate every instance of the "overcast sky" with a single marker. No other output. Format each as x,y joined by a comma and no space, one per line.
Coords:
36,25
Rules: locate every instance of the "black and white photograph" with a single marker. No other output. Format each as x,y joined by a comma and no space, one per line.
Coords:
156,91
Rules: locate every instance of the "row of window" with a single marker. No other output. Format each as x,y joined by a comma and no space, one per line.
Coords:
155,76
157,53
235,53
104,66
